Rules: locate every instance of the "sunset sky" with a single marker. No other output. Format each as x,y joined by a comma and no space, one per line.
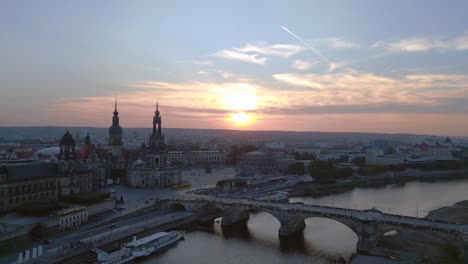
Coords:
357,66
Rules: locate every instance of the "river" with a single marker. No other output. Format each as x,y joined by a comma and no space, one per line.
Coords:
323,240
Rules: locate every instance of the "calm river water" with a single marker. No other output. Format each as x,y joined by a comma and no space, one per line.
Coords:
323,241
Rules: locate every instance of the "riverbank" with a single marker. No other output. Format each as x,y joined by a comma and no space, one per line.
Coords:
413,246
317,190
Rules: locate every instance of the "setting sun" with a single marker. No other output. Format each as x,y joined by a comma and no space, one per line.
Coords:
241,118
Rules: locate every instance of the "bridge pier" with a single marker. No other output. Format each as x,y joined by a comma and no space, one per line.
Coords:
290,226
234,216
368,236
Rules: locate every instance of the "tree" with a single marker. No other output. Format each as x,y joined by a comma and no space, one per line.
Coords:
389,150
360,161
326,173
39,231
237,151
296,168
195,147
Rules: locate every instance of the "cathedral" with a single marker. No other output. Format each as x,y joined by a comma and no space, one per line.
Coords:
153,165
154,169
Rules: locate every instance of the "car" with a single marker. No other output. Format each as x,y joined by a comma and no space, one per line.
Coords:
112,190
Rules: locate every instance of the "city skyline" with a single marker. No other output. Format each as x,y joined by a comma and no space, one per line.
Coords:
339,67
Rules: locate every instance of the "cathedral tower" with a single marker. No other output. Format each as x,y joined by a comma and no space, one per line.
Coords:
156,142
115,134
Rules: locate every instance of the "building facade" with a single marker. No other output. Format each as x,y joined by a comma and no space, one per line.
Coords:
22,182
209,158
71,218
265,163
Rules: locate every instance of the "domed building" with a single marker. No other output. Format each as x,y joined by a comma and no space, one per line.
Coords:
73,176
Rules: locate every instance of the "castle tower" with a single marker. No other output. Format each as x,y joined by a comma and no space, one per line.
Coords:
115,134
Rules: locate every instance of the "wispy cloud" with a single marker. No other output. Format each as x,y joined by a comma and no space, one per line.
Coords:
281,50
198,62
241,56
257,53
356,88
337,43
203,62
302,65
424,44
224,74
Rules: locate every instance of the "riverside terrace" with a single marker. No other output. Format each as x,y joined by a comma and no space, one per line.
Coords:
368,225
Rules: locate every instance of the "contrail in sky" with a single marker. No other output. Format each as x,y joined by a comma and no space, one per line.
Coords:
332,65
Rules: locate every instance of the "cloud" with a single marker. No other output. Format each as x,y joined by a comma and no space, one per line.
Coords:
224,74
356,88
424,44
241,56
202,72
198,62
281,50
203,62
256,53
302,65
337,43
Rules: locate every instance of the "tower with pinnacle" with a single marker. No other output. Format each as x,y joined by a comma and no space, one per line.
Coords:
156,140
115,134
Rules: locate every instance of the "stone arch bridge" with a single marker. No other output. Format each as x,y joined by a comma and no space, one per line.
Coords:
368,225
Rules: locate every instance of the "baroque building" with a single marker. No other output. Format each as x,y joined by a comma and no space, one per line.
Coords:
154,169
45,181
74,176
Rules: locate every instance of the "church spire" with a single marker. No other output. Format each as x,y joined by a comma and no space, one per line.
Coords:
115,104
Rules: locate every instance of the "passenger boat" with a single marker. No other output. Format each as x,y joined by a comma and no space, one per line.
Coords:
140,248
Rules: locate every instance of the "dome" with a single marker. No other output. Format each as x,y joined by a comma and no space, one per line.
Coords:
49,151
67,140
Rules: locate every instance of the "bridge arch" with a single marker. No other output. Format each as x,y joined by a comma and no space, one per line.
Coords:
328,233
177,207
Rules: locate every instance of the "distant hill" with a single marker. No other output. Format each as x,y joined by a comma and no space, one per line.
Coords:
50,132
